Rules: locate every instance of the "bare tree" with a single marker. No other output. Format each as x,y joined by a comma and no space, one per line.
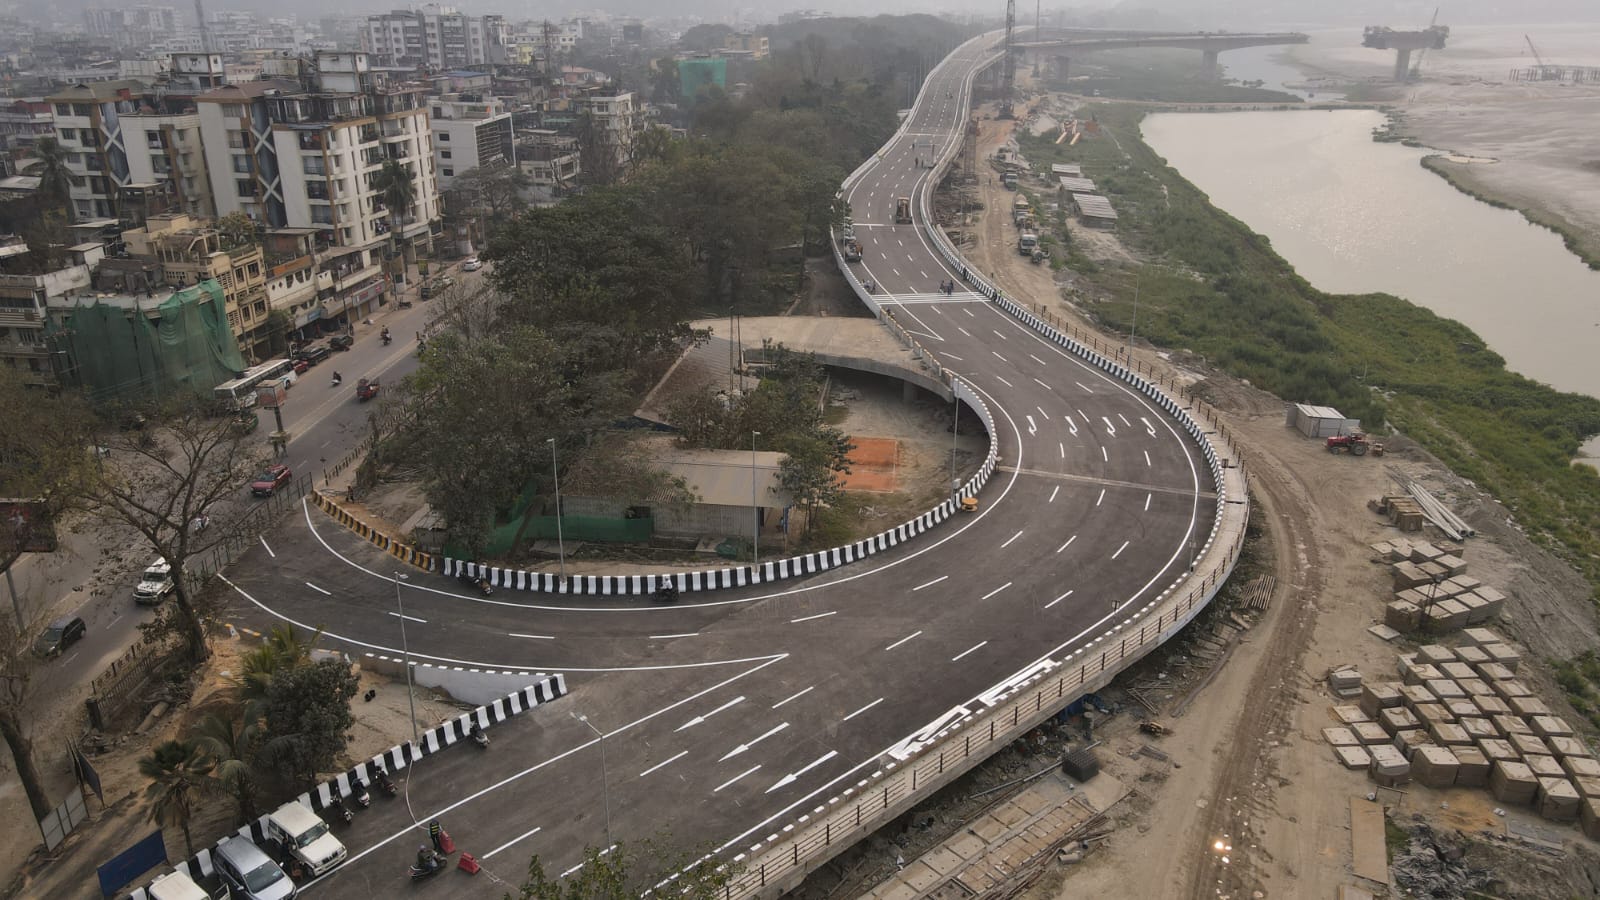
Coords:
18,665
164,488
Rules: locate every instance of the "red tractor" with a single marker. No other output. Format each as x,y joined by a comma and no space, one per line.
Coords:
1355,444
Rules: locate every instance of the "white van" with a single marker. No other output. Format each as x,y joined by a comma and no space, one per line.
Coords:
305,836
176,886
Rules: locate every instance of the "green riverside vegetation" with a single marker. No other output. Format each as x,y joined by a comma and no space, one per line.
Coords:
1217,289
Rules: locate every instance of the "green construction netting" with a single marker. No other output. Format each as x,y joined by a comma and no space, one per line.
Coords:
158,351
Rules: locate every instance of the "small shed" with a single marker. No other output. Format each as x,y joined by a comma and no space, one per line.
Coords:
1072,169
732,488
1077,184
1319,421
1094,210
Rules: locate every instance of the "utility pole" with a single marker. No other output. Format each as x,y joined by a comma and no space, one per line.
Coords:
1008,77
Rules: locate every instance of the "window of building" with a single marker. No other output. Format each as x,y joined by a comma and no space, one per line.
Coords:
245,187
241,163
444,154
448,173
83,110
63,109
233,110
444,136
236,139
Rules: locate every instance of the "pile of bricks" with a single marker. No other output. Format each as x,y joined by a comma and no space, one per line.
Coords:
1459,717
1432,590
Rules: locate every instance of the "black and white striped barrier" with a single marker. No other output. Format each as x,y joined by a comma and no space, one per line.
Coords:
743,576
391,761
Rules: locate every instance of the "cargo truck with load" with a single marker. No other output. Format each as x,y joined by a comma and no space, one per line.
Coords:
1027,243
902,211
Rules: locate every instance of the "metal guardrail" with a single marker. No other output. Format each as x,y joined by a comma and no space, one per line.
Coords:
929,761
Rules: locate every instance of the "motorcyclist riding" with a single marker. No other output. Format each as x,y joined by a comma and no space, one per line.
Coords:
337,378
426,860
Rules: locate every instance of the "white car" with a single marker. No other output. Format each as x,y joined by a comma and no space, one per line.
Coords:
155,584
473,264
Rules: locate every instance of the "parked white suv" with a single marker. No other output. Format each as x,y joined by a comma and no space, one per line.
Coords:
304,835
155,584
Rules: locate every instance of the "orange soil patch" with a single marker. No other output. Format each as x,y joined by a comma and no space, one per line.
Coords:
873,465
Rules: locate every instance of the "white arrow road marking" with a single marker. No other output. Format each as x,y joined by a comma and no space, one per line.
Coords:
1067,544
794,696
698,719
862,710
976,646
1073,426
791,777
319,590
526,834
902,640
743,747
681,755
409,618
269,549
931,583
734,778
1147,426
1032,428
1058,600
1109,427
1120,549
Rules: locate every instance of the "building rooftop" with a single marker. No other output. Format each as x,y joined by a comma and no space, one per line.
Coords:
1077,184
1094,205
724,477
249,90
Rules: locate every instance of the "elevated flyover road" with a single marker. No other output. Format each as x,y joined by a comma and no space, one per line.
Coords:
729,716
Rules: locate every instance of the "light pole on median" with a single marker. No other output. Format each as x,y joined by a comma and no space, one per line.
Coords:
561,543
955,433
405,651
605,778
754,502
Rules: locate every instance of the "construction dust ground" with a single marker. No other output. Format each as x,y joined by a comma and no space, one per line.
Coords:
1246,764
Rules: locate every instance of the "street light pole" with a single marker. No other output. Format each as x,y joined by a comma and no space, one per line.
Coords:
605,778
1133,329
955,433
405,651
754,502
561,543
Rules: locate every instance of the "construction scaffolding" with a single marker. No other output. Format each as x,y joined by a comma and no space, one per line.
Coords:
125,349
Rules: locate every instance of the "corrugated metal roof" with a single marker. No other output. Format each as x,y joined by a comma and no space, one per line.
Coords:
1077,184
1072,169
1094,205
1318,412
723,477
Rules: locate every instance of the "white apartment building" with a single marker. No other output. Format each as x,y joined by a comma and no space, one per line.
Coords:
131,25
469,131
168,148
616,120
438,37
88,125
308,155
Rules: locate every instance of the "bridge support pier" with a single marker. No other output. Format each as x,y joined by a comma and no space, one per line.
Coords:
1059,67
1208,62
1402,64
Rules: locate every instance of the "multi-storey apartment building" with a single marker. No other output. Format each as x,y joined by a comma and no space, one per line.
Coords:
165,147
615,120
469,131
88,124
309,154
438,37
188,251
131,25
26,346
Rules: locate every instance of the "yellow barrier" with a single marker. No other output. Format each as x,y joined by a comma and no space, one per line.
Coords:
380,539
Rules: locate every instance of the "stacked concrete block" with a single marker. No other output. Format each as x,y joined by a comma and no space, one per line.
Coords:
1490,706
1493,672
1528,707
1408,575
1414,695
1510,687
1587,785
1472,767
1415,670
1544,766
1453,565
1478,609
1449,734
1527,744
1445,616
1580,766
1457,671
1463,708
1397,719
1496,750
1388,768
1589,818
1478,728
1416,597
1472,656
1353,756
1493,597
1446,689
1434,767
1465,582
1408,741
1435,572
1563,746
1379,696
1402,616
1345,682
1512,783
1369,733
1435,654
1424,552
1431,714
1551,726
1349,715
1477,637
1558,800
1340,736
1476,687
1509,725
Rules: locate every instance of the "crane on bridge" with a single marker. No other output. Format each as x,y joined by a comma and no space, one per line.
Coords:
1416,70
1537,59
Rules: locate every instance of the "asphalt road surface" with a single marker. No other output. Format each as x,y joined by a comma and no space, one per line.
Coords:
725,717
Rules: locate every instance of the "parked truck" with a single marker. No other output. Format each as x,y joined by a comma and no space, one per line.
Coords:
1027,243
902,211
1009,180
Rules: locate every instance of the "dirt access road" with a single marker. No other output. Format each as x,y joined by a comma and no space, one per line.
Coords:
1254,805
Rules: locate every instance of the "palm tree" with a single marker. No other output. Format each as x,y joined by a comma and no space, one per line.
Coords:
179,773
282,649
231,742
55,178
394,183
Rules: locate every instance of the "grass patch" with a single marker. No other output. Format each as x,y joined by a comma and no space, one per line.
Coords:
1579,678
1219,290
1395,838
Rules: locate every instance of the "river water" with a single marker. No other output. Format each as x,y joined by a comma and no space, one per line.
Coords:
1353,216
